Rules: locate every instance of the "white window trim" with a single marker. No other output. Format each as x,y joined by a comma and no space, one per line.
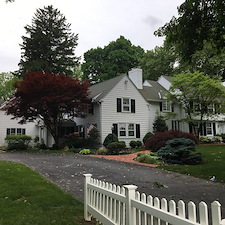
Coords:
23,131
166,106
127,130
124,105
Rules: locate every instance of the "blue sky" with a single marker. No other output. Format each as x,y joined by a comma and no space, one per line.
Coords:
97,22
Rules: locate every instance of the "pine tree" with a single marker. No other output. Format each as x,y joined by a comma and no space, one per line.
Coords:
159,124
50,44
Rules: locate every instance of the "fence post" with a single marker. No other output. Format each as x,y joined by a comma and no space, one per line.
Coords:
87,180
216,213
130,194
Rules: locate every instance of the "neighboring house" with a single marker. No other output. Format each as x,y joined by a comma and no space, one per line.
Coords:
123,105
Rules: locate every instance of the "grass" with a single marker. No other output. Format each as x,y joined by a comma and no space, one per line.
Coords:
213,165
27,198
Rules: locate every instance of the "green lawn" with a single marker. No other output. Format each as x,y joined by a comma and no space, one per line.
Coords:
214,164
28,198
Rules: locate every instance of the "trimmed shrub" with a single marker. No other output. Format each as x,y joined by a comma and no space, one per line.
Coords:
147,136
17,142
180,151
159,139
101,151
109,139
114,148
135,144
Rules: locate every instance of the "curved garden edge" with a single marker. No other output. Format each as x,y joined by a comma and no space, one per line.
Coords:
126,158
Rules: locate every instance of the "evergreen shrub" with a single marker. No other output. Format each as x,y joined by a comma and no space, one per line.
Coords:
147,136
158,140
115,148
180,151
17,142
109,139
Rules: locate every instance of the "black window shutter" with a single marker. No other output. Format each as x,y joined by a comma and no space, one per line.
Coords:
160,105
115,129
200,129
133,105
214,129
204,131
138,135
190,128
119,109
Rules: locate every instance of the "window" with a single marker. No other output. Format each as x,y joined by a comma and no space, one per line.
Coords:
166,106
175,125
16,131
209,129
125,105
126,129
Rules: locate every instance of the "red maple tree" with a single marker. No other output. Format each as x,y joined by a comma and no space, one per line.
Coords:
48,97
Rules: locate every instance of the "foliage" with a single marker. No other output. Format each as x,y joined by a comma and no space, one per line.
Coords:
159,125
17,142
34,200
148,158
198,21
158,62
116,58
109,139
191,90
158,140
214,139
114,148
48,97
135,144
101,151
85,151
93,136
213,157
147,136
6,85
180,151
50,44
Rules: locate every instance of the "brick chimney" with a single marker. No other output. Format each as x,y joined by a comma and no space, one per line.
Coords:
136,77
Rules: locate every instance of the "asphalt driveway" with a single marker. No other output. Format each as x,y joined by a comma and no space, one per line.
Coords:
66,171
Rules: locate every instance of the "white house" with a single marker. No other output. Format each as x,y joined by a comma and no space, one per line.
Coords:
124,105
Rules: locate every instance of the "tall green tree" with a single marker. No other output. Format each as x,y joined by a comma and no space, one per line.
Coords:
114,59
159,61
49,45
200,96
6,85
198,21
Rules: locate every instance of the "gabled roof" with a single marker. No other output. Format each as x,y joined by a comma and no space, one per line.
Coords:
100,90
153,91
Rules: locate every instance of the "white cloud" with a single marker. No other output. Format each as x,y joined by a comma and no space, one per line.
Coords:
97,22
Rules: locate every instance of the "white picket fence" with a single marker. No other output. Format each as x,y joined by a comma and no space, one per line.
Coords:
114,205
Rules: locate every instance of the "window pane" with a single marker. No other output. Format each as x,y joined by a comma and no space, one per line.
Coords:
126,104
18,131
13,131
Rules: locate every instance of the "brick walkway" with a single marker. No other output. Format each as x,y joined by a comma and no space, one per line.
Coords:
125,158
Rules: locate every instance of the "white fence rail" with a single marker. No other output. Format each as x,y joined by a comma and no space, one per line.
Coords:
114,205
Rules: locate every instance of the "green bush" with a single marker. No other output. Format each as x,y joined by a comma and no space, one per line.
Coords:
85,151
93,136
147,158
135,144
147,136
114,148
109,139
180,151
17,142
